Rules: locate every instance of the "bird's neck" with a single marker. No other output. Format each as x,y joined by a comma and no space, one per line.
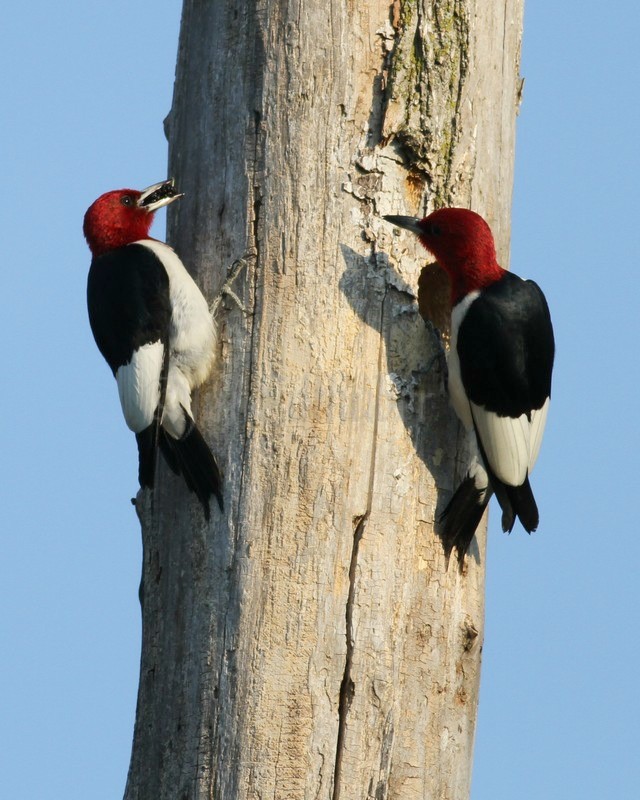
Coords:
471,277
115,238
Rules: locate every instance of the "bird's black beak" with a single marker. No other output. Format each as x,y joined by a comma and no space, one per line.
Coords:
158,195
410,223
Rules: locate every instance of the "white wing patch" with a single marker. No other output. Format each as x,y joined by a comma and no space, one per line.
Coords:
506,443
139,386
511,444
538,421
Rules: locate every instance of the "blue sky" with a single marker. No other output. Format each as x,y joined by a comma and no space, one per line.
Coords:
85,90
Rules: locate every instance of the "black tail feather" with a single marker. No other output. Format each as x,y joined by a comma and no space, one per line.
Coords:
524,505
146,440
167,451
464,511
502,495
462,516
191,457
515,501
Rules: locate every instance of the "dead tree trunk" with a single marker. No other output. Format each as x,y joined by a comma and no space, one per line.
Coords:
313,642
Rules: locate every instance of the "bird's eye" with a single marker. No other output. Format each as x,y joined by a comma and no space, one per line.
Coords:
127,200
435,230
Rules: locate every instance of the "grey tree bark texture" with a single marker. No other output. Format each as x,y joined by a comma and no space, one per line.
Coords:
314,641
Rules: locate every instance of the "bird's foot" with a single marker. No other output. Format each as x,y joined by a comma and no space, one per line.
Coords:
226,290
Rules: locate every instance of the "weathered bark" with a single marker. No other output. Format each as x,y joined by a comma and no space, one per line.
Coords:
313,641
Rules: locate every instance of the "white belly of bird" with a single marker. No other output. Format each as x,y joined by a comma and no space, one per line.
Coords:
457,394
192,336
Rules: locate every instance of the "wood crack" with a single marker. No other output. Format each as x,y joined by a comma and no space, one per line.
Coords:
347,685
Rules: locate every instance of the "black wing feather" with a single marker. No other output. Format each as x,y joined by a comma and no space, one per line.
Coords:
128,302
129,306
506,348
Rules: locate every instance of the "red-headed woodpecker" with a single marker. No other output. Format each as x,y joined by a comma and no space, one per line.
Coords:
152,325
500,364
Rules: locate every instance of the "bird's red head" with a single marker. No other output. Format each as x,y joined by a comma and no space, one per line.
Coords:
124,216
463,245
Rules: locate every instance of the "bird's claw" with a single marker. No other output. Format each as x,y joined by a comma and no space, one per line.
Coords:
225,289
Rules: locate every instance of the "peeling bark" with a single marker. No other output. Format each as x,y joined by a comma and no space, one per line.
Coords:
314,642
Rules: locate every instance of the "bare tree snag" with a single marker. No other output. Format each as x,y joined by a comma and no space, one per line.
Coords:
314,642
